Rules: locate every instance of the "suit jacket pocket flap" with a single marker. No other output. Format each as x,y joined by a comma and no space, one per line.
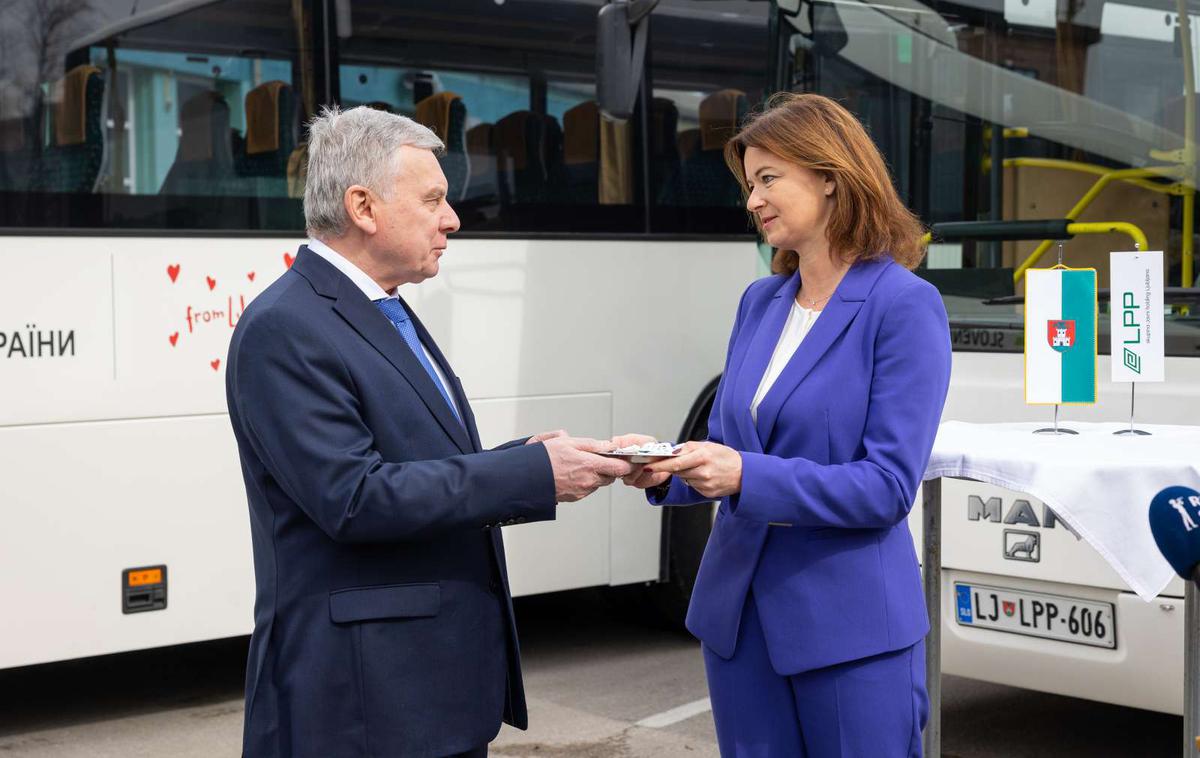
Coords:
384,602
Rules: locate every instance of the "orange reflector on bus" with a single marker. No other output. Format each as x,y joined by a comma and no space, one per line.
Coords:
144,577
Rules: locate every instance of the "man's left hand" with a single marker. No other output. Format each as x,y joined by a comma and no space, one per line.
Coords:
711,469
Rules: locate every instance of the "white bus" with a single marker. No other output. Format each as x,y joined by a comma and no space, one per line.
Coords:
1057,95
151,165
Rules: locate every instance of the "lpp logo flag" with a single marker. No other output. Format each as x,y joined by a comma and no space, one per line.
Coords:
1136,316
1060,336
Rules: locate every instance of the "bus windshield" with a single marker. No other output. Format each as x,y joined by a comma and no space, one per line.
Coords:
1019,111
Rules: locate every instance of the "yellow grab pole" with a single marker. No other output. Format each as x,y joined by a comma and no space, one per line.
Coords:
1189,210
1110,227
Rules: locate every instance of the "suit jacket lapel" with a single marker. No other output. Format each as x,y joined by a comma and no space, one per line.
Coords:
758,355
455,389
845,304
366,319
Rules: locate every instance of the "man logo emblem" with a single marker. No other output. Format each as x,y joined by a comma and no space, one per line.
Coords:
1060,334
1022,546
1009,608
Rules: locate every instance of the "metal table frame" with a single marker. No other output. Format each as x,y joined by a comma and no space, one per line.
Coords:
931,564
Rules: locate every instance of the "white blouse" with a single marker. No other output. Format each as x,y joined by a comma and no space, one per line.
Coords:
799,322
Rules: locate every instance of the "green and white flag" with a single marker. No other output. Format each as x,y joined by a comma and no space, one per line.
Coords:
1060,336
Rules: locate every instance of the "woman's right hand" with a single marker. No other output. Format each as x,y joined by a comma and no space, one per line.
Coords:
639,477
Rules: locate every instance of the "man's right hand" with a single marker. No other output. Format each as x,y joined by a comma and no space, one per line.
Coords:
578,471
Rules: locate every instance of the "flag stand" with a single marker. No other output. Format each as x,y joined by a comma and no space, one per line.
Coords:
1056,429
1131,431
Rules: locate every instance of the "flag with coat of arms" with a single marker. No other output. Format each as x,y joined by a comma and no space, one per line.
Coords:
1060,336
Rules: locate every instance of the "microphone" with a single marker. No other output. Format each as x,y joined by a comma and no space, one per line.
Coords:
1175,522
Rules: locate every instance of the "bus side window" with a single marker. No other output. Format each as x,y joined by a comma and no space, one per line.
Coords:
533,153
705,80
160,119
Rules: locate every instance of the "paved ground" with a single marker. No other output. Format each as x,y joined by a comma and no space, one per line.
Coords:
602,683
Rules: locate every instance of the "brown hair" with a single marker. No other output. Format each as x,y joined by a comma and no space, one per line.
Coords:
868,218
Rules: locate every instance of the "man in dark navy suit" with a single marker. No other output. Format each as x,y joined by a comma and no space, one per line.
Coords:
383,624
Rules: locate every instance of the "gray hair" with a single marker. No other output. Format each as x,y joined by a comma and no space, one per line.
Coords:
357,146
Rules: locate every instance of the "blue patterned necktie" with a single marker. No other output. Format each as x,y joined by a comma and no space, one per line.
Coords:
394,310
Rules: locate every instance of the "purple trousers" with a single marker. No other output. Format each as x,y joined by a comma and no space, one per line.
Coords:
869,708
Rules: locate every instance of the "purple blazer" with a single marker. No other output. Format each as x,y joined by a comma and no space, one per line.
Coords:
829,472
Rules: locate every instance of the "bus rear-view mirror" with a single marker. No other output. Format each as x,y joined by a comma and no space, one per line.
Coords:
621,32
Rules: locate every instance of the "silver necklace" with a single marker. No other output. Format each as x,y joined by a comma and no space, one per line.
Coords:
813,303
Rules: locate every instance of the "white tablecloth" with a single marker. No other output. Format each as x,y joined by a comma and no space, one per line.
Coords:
1099,483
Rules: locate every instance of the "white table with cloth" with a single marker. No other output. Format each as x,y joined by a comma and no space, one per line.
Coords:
1099,483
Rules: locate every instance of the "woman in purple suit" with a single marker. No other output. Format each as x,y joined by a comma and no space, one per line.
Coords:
809,599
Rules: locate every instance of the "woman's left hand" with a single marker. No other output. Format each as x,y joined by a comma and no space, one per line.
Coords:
711,469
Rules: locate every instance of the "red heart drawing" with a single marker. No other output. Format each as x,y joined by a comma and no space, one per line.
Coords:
250,276
212,283
288,260
216,364
173,272
174,338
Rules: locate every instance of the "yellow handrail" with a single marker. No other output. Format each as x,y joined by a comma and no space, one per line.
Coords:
1110,227
1105,178
1179,188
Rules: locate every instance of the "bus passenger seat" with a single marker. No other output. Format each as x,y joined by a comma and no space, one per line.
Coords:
72,161
270,137
666,178
481,150
16,154
446,116
521,172
555,181
297,170
581,153
204,161
707,180
688,143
